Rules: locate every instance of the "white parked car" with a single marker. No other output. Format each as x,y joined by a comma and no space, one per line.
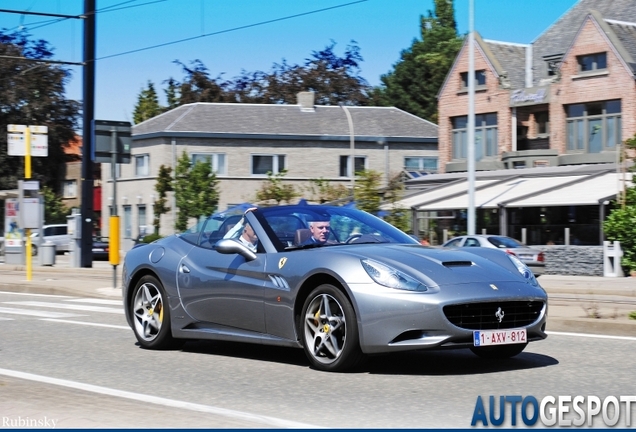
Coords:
532,257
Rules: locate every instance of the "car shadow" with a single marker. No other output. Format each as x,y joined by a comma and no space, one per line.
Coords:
450,362
431,363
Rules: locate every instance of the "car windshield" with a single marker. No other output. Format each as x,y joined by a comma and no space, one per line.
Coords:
505,242
288,227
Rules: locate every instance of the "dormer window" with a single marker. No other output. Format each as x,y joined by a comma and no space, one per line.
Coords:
592,62
480,78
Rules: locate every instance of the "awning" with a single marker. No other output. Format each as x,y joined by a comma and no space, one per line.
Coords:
520,190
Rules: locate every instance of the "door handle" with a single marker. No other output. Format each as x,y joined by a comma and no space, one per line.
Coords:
184,269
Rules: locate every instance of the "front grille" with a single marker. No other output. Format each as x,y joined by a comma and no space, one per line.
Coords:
485,316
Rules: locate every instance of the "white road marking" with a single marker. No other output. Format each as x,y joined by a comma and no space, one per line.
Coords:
238,415
96,301
6,319
629,338
67,306
36,295
43,314
86,323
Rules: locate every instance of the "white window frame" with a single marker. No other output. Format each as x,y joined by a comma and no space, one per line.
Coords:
276,159
348,167
70,188
217,160
421,165
144,169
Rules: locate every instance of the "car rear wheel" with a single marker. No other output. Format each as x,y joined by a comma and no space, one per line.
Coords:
151,314
499,352
329,330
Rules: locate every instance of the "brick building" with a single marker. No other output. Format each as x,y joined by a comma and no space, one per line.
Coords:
550,119
567,98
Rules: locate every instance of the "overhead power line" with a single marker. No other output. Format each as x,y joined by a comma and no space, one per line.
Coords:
230,30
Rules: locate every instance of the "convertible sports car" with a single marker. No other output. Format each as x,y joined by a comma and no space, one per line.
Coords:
369,288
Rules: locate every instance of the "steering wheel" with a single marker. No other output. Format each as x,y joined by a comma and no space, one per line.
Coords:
353,237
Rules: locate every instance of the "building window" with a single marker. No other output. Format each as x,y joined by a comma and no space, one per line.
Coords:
480,78
345,168
543,123
70,189
263,164
117,171
217,160
552,63
593,127
420,164
127,221
141,219
592,62
485,136
142,165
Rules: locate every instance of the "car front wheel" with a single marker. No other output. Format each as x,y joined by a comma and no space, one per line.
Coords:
329,330
151,314
499,352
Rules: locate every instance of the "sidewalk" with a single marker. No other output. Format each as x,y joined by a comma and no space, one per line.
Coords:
581,304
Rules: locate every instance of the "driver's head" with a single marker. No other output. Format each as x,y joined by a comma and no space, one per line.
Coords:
319,230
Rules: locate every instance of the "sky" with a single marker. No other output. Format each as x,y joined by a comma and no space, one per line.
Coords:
229,36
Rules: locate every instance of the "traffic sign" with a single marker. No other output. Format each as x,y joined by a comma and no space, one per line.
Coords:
17,140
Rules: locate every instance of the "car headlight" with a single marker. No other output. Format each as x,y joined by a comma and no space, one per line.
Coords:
390,277
523,269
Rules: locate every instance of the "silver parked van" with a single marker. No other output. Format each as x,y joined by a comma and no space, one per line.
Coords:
57,234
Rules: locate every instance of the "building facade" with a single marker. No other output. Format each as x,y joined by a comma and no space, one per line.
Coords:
550,121
244,142
568,98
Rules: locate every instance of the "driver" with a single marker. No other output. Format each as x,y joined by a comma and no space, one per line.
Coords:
319,232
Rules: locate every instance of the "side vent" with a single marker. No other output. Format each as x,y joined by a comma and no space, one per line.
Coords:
451,264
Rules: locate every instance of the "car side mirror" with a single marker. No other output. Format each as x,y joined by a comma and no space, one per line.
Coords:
230,246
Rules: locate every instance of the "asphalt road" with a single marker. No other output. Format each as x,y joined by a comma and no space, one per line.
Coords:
73,360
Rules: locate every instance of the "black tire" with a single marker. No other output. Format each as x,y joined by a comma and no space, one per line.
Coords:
150,315
329,330
499,352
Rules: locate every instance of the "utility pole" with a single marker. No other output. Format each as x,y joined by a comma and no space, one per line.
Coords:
88,114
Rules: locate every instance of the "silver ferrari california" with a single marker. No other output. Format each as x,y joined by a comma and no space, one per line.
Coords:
334,281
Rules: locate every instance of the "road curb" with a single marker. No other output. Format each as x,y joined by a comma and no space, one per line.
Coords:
592,326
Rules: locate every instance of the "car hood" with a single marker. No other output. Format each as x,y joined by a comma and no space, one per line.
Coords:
437,266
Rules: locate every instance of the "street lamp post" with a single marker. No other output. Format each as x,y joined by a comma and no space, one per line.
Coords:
353,149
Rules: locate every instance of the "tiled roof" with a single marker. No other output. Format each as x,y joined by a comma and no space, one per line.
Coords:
512,58
626,34
558,37
263,119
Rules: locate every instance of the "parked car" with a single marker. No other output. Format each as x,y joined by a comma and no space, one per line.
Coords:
100,248
56,233
366,288
532,257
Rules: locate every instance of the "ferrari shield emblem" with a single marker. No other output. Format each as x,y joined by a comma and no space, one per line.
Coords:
282,262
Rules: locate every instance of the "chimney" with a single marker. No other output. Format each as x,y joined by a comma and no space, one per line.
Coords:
306,101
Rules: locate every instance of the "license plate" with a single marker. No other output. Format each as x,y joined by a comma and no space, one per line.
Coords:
499,337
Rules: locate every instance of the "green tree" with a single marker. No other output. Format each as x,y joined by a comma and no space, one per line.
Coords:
172,93
323,191
195,188
367,191
273,189
147,104
398,217
55,211
33,93
162,187
620,225
417,77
